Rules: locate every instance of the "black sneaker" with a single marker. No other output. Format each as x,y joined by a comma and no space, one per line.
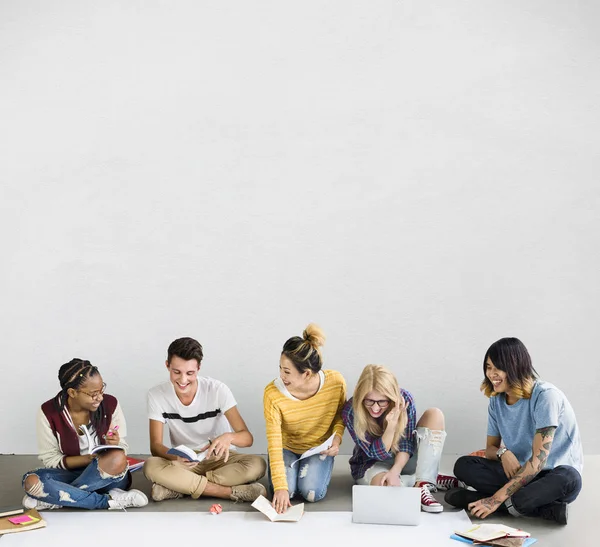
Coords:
557,511
461,497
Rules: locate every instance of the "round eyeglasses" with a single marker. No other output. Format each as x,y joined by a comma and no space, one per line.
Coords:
95,394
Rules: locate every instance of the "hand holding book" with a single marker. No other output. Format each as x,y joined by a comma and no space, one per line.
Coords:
186,455
292,514
112,437
95,448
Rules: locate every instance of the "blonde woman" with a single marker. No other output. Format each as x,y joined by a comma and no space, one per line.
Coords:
302,410
392,447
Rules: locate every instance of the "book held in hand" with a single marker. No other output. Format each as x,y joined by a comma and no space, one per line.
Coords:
187,453
95,448
293,514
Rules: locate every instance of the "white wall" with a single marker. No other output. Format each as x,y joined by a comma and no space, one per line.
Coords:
420,178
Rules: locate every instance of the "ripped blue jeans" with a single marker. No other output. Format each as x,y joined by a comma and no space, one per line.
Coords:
308,478
422,466
85,488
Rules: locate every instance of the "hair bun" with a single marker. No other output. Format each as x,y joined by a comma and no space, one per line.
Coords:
314,335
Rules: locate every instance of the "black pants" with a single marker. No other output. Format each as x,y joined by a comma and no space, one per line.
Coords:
562,484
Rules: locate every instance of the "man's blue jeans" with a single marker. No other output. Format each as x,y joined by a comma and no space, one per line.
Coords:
309,477
85,488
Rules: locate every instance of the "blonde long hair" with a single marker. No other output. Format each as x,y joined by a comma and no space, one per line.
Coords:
378,378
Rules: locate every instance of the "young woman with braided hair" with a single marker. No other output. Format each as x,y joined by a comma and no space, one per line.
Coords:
302,410
71,477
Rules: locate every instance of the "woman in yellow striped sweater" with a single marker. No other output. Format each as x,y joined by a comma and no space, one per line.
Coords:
302,409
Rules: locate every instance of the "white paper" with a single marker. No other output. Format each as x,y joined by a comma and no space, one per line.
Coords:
316,450
144,526
293,514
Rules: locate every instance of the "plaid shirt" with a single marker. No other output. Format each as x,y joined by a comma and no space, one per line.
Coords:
372,450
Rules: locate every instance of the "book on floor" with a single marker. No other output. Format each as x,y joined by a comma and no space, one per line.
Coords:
187,453
505,542
93,447
489,532
9,510
28,520
293,514
134,464
502,542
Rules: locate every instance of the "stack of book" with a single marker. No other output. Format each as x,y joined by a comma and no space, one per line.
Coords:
498,535
134,464
16,519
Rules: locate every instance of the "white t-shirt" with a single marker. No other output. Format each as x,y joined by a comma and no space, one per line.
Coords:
200,421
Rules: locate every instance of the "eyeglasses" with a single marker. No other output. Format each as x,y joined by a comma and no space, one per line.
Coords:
383,403
95,394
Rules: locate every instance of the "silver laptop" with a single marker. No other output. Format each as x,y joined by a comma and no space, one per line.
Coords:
386,505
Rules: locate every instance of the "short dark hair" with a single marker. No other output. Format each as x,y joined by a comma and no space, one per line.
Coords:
185,348
511,356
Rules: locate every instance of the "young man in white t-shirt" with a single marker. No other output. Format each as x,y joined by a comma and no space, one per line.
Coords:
202,414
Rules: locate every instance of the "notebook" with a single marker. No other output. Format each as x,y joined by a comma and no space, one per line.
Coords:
7,527
9,510
487,532
386,505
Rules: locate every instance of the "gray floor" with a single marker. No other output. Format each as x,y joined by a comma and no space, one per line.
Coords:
580,530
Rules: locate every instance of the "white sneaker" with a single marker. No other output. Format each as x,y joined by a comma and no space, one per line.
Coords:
31,503
120,499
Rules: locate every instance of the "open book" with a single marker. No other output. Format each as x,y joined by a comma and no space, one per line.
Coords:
187,453
93,447
315,450
489,532
293,514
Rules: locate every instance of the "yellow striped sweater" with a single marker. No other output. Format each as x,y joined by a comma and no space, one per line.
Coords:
299,425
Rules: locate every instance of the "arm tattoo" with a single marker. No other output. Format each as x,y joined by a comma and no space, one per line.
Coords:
520,480
542,457
526,474
546,432
490,503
